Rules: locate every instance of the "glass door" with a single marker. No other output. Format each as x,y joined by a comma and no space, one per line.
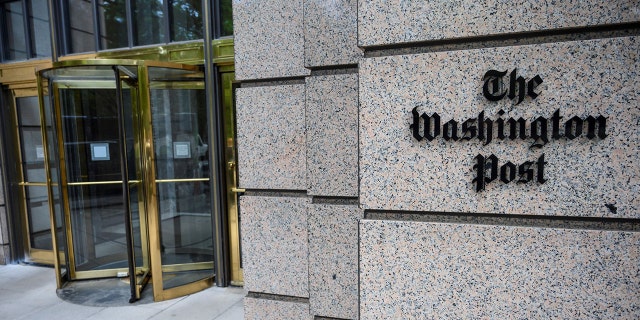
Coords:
34,201
132,146
99,172
182,227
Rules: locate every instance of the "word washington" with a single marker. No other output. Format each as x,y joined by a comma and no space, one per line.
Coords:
540,131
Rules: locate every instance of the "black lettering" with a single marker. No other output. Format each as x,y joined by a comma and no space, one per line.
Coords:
428,132
415,126
540,163
468,129
507,172
500,123
493,84
592,123
514,125
555,124
531,86
525,172
450,130
573,128
485,127
482,167
512,87
539,132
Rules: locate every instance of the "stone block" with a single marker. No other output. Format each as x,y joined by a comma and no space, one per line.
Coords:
332,135
275,246
384,23
581,176
270,41
420,270
330,33
264,309
333,260
271,137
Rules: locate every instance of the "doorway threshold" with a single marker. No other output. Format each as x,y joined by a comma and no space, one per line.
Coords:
112,292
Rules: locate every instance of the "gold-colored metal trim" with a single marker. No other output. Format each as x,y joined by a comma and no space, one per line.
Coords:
95,183
183,290
64,196
59,258
182,180
32,184
92,274
145,167
187,266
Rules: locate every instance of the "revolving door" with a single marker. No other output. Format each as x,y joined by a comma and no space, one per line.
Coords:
128,174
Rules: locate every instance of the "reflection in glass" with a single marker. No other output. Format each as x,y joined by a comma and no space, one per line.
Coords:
15,45
32,152
179,122
81,26
39,20
148,22
226,18
186,20
97,212
113,24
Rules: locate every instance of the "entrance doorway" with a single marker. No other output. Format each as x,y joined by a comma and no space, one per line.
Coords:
128,174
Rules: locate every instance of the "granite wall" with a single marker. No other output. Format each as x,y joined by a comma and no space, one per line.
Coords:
435,159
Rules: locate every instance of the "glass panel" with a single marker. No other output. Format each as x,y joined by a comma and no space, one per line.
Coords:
81,26
180,142
39,19
148,21
186,20
39,223
90,123
55,202
32,151
16,47
113,24
226,18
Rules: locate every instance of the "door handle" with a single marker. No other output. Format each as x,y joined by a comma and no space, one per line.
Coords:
238,190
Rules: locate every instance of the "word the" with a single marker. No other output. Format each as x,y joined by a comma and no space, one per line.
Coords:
492,88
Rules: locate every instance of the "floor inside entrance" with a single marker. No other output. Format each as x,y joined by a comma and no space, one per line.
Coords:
29,292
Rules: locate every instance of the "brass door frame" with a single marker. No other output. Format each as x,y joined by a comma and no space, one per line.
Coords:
231,169
73,273
31,254
147,195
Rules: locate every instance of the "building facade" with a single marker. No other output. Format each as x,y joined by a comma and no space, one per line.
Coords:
118,142
437,159
372,159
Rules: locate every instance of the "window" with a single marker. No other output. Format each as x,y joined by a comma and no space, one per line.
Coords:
122,24
24,30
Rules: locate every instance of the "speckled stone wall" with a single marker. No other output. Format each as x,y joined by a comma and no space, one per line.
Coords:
271,137
383,22
269,39
415,270
333,260
330,31
264,309
584,177
275,245
348,216
297,143
332,135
